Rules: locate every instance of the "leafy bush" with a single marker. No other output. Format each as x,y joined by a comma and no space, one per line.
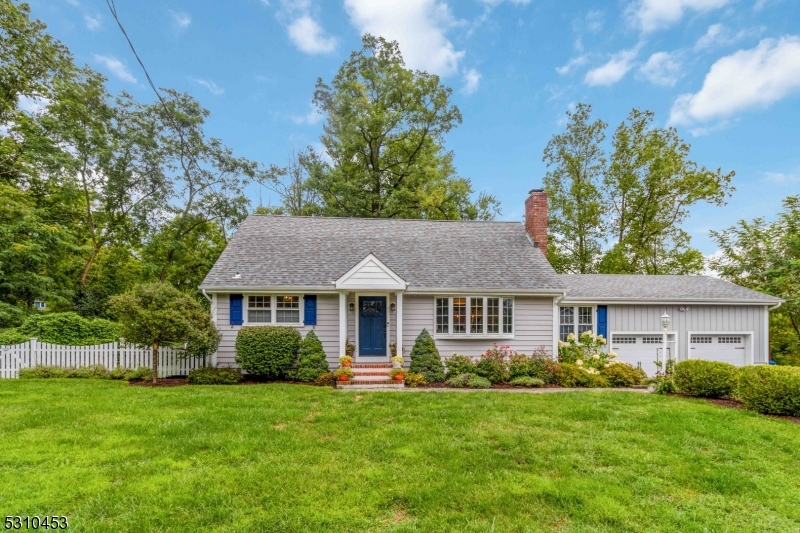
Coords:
41,372
425,358
118,373
705,379
619,374
70,329
311,363
87,372
328,379
770,389
586,347
493,363
569,375
595,381
538,365
12,336
209,375
267,351
414,379
664,385
526,381
143,373
459,364
470,381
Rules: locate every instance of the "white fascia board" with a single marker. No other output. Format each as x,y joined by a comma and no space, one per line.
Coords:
501,291
664,301
399,283
271,289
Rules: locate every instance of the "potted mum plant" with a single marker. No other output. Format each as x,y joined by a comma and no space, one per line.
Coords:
343,374
350,348
397,374
397,361
346,360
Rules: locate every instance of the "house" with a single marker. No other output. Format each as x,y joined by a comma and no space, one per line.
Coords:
379,282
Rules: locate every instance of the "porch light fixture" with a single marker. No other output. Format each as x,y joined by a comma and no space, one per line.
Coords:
665,321
393,307
352,307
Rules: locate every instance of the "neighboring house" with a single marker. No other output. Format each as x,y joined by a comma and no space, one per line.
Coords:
378,282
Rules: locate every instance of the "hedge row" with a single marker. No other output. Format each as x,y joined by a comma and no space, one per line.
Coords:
62,328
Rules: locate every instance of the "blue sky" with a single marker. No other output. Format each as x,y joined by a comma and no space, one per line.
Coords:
726,73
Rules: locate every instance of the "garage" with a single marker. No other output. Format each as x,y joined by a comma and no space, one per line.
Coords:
642,349
726,348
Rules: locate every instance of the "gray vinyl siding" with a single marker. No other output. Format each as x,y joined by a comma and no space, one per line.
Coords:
327,329
533,327
695,319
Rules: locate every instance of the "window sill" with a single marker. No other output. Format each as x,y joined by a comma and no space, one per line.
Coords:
501,336
292,324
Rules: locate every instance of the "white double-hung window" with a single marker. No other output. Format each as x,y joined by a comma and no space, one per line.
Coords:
270,309
575,320
474,316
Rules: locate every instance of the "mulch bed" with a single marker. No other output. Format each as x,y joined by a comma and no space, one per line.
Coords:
733,404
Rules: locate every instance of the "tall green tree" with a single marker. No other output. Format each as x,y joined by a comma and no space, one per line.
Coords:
384,131
295,184
649,185
576,162
765,256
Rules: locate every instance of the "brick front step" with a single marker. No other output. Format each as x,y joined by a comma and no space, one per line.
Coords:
376,372
368,381
375,385
371,365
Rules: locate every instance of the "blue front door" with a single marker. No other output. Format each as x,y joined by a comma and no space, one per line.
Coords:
372,325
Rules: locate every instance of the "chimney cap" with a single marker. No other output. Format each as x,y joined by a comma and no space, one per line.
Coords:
535,190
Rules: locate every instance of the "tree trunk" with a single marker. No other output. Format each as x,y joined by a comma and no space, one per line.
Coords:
89,262
155,362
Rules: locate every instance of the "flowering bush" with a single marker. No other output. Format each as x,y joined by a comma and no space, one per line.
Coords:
493,364
459,364
588,347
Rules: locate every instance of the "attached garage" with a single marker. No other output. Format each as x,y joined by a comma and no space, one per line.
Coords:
642,349
724,347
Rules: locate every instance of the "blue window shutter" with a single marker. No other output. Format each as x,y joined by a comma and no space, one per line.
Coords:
310,311
602,320
236,309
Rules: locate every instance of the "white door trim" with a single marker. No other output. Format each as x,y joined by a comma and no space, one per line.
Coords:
358,295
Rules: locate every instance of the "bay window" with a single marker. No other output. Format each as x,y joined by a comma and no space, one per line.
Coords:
474,316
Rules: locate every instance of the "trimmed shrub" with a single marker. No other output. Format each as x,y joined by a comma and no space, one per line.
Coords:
493,363
705,379
328,379
459,364
70,329
12,336
594,381
771,390
118,373
413,379
41,372
664,386
311,363
425,358
267,351
623,375
87,372
209,375
569,375
526,381
469,381
537,365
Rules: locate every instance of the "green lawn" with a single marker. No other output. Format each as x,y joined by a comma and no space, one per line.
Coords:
291,458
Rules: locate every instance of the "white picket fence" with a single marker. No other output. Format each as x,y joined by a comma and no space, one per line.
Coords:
171,361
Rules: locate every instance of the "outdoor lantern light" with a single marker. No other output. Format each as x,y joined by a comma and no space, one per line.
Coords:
665,320
352,307
393,307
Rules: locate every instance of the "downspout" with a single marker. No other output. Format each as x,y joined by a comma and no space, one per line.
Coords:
207,296
556,319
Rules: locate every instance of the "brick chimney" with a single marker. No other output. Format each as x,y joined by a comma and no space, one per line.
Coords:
536,218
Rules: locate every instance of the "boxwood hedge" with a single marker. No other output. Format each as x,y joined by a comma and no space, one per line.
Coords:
705,379
771,390
267,351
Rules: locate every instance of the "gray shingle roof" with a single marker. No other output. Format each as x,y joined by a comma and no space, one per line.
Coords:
275,251
677,288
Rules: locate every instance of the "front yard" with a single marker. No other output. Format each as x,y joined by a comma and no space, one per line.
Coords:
291,458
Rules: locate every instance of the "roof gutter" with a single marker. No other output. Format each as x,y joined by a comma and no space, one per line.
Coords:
777,305
207,296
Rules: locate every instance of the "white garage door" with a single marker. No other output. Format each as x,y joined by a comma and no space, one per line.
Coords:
728,348
642,350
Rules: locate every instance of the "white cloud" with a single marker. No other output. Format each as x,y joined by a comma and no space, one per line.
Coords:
498,2
212,87
615,69
92,22
745,79
651,15
312,117
472,78
418,25
180,20
718,35
116,67
309,36
574,62
33,104
594,21
710,37
662,68
782,177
